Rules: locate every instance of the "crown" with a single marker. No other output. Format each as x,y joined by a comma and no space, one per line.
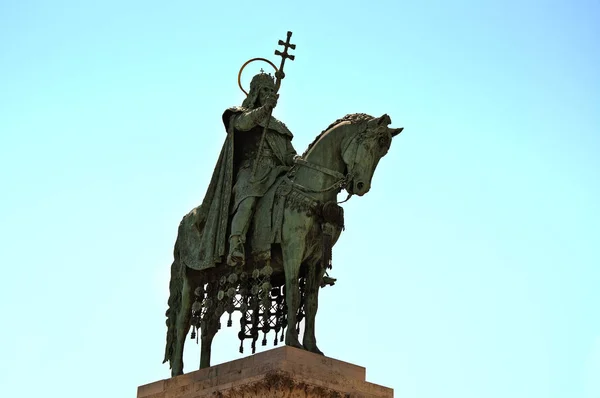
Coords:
262,79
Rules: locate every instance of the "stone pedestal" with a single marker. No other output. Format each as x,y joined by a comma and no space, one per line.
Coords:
281,372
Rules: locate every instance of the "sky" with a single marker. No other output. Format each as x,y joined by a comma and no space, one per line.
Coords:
471,268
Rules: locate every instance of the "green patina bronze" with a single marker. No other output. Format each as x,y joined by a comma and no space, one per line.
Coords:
260,242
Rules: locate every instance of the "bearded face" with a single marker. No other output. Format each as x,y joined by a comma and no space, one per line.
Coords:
261,87
264,92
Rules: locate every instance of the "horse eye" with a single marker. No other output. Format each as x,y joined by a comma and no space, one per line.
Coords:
383,141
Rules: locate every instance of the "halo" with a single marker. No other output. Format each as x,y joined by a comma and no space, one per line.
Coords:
246,63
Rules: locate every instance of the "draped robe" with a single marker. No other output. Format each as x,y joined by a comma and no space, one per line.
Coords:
205,230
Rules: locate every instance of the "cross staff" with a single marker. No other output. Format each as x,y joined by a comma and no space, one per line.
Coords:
284,55
279,75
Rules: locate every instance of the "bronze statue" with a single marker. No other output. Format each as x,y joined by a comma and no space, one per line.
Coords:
268,222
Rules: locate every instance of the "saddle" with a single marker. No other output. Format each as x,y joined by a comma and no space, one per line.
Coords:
268,218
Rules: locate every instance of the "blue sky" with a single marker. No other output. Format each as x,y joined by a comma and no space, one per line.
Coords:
469,270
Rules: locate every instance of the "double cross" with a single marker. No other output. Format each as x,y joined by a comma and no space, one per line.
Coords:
284,55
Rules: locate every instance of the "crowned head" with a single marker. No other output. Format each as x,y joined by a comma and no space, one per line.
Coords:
262,84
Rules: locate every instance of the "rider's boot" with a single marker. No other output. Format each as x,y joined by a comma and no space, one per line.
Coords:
236,251
239,228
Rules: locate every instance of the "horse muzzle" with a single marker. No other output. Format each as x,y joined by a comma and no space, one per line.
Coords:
358,187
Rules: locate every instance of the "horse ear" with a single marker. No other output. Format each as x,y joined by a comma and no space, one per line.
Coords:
395,132
379,121
384,120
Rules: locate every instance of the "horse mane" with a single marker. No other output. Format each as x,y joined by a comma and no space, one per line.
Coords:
353,118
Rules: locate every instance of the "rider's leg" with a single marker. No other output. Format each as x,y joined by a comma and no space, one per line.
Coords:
239,227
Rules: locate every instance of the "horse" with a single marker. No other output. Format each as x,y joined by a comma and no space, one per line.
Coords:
343,156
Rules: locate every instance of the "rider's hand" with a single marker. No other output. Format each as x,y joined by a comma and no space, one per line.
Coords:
271,101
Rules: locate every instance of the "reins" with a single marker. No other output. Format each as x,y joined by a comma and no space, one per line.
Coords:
341,183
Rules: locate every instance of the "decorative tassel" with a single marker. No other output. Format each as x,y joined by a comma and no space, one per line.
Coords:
241,336
193,333
229,321
299,319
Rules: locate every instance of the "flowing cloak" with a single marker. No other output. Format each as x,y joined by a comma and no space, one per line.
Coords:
203,232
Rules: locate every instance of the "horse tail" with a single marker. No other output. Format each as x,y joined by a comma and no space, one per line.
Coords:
175,297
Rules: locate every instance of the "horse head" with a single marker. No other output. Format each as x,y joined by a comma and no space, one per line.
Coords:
363,150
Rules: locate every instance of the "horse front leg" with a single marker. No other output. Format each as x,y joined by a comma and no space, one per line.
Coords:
292,250
313,283
183,323
208,333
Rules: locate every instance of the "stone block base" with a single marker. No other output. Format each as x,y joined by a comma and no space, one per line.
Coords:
282,372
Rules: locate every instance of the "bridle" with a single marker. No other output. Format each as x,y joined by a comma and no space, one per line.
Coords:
342,179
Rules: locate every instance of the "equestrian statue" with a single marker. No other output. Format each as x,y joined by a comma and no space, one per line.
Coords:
260,243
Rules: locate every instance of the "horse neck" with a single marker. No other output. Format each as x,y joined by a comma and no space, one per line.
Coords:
327,153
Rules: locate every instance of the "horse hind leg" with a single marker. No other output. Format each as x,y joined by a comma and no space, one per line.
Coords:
183,323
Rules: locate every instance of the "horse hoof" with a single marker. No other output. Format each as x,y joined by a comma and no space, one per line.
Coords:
176,373
314,349
293,343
